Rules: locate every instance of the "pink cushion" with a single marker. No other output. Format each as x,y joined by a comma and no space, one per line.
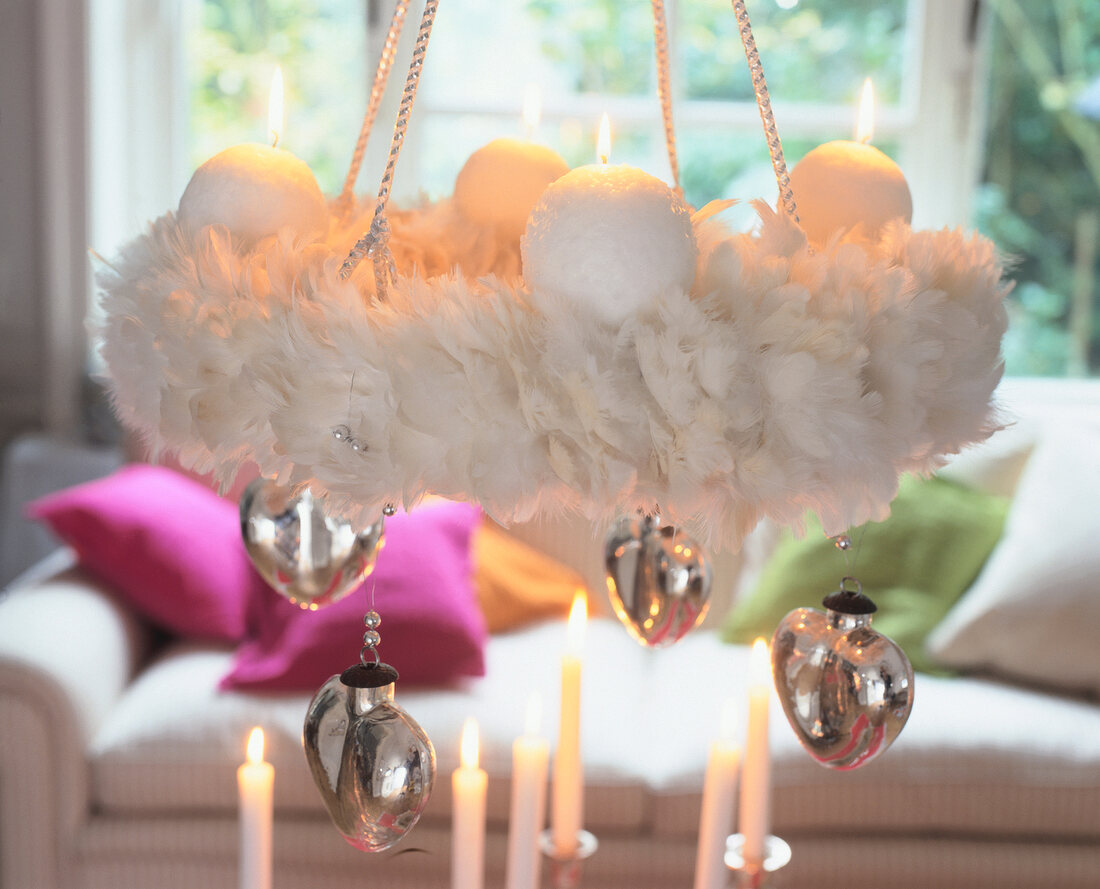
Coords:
168,546
432,629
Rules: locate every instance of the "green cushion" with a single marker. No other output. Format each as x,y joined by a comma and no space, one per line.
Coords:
915,565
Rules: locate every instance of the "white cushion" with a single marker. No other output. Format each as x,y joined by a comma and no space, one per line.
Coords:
1034,612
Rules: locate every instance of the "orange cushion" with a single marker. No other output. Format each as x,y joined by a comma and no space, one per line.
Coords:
516,584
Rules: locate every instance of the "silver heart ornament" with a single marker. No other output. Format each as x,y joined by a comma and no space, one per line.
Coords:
372,763
305,554
847,690
658,579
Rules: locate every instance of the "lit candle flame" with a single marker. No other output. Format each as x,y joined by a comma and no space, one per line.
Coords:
532,110
534,714
603,142
256,746
275,107
760,669
578,615
469,744
865,125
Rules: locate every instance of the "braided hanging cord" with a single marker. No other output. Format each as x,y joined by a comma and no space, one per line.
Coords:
378,89
764,103
375,243
664,88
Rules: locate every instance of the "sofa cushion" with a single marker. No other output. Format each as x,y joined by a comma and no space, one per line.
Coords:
1034,612
422,586
167,546
915,564
517,584
976,757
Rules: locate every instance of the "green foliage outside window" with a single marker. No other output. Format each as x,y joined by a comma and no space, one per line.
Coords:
1041,198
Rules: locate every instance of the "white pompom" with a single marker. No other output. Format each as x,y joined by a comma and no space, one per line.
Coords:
609,239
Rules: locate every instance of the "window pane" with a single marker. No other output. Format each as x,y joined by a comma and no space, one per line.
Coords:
1041,194
812,50
321,46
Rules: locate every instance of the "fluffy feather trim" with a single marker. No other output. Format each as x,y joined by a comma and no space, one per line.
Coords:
787,380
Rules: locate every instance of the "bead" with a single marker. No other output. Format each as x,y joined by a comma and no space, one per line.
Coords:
371,638
388,510
372,619
341,432
356,445
843,542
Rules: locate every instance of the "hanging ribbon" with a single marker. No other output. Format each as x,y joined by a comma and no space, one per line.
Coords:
375,243
764,103
378,89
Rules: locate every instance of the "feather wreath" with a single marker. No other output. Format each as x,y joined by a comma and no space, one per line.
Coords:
786,380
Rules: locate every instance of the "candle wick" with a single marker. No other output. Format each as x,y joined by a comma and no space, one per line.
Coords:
274,139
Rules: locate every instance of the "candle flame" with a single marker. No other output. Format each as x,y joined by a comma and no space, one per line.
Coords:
469,744
275,107
534,714
532,109
578,615
603,141
865,125
256,746
760,669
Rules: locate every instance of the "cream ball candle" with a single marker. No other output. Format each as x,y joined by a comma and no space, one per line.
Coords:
254,191
609,239
844,184
500,183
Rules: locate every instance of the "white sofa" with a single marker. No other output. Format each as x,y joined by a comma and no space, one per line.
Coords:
117,753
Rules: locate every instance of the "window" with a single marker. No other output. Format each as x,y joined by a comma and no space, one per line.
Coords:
1040,197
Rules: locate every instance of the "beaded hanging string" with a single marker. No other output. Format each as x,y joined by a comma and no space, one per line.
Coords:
378,89
375,243
664,89
764,103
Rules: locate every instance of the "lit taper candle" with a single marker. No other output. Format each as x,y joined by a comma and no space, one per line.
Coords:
568,792
754,814
468,784
530,757
255,782
716,814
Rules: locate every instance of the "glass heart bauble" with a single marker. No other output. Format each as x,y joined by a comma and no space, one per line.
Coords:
372,763
658,579
847,690
305,554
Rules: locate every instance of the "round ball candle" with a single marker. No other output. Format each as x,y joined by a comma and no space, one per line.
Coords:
500,183
255,190
610,239
844,184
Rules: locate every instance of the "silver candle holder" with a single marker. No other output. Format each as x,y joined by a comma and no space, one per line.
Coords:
756,874
565,870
